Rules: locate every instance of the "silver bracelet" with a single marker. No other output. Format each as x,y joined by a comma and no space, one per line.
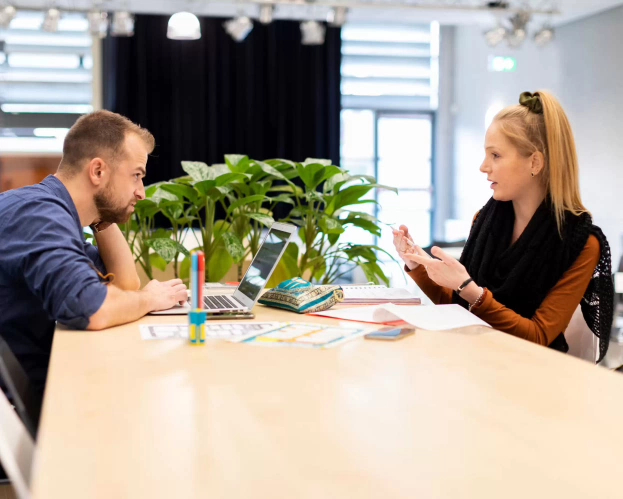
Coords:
478,300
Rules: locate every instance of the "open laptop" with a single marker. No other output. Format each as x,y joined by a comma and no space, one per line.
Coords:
248,292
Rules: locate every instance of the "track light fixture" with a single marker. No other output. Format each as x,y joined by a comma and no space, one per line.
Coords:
51,19
266,13
122,24
7,13
98,23
515,31
544,35
239,27
184,26
312,33
337,16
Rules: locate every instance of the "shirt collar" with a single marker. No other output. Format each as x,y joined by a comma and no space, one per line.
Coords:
56,187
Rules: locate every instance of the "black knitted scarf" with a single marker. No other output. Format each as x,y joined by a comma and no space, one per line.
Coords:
521,275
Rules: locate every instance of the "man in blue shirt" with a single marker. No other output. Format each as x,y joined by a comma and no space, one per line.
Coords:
48,272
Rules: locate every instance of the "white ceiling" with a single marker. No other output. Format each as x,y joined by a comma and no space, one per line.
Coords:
388,11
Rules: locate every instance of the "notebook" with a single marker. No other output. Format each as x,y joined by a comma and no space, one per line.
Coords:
370,294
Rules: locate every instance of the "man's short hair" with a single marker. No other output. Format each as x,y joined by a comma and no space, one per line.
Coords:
99,134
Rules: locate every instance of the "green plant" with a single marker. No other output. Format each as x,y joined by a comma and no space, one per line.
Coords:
325,200
330,202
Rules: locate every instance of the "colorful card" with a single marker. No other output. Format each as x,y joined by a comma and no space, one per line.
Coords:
306,335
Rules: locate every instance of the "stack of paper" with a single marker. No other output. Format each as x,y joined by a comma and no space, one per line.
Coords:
371,295
434,317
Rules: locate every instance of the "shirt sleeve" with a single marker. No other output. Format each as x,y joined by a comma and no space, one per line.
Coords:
50,256
554,314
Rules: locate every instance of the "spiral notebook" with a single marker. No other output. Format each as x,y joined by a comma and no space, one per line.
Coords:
371,294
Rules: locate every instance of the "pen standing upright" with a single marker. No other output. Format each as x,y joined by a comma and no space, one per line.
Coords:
197,315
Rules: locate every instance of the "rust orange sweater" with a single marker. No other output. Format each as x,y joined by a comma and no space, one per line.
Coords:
551,318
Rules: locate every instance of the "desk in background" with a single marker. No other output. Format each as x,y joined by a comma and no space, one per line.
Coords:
471,414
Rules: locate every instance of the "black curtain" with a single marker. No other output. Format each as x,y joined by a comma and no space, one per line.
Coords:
268,96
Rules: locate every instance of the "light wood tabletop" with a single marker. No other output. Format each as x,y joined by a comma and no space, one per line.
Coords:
470,413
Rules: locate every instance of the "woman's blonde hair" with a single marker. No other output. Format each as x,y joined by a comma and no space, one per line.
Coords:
540,124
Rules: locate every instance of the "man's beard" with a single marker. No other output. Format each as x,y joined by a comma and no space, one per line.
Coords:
109,212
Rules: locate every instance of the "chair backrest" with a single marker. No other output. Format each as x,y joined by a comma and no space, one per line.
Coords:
581,340
17,387
16,448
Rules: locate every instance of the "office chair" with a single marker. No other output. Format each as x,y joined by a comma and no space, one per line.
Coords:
16,448
15,384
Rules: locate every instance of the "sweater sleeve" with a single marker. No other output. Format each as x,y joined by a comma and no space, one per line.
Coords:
437,294
554,314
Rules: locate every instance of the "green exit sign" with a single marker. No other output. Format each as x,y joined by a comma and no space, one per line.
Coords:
500,64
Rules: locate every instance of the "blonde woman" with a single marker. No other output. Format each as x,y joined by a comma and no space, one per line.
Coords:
533,253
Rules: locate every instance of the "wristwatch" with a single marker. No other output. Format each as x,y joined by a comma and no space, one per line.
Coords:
95,227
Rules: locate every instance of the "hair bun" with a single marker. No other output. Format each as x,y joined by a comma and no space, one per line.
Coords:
532,102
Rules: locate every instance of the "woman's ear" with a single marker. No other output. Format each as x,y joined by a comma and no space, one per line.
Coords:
538,162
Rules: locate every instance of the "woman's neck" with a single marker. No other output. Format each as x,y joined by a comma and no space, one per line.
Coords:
525,208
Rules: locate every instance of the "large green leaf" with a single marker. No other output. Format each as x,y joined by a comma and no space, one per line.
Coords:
282,198
219,264
364,224
316,161
348,196
157,261
262,218
196,169
172,209
330,225
266,168
181,191
161,195
245,201
229,178
205,186
238,163
336,181
146,208
234,246
166,248
150,189
310,174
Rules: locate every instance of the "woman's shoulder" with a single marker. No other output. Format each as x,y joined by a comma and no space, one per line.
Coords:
591,252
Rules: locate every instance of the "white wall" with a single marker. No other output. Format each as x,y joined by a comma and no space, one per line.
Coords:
581,67
591,89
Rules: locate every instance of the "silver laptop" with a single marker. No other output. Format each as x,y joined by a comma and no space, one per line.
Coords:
248,292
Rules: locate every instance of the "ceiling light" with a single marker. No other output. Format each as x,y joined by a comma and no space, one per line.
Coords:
495,35
518,33
239,27
312,33
184,26
337,16
7,14
122,24
544,36
98,23
51,19
266,13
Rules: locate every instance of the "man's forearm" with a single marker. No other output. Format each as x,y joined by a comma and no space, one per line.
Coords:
117,257
120,307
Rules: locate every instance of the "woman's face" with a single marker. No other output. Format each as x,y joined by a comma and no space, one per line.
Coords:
508,171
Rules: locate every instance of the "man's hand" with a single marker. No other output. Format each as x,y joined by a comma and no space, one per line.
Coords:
167,294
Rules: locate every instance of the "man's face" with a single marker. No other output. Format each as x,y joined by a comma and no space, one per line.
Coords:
115,201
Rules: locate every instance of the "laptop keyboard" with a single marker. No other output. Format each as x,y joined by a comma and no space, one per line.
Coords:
219,302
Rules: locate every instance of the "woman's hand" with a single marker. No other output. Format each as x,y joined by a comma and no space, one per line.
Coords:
446,271
403,242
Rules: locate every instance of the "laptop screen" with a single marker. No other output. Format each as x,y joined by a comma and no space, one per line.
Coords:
263,264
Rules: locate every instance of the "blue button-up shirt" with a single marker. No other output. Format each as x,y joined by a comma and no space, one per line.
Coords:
48,272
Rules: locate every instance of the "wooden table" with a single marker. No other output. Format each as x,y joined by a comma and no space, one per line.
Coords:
459,414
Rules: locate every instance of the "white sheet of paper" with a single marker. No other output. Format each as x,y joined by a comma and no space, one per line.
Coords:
433,317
